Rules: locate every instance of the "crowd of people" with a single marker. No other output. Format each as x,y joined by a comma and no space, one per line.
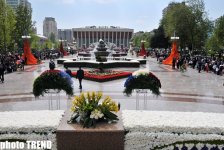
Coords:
201,63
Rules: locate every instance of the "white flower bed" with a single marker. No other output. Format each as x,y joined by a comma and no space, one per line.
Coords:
30,125
150,129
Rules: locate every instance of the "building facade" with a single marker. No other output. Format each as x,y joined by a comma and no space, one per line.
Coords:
65,34
49,27
91,34
15,3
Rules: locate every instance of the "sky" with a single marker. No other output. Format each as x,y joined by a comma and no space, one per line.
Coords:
140,15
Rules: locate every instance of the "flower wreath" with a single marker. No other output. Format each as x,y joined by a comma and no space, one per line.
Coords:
53,79
142,79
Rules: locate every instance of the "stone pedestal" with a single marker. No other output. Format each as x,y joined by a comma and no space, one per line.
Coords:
103,137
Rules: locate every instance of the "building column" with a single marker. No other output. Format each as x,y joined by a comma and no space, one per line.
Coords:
128,39
89,37
93,36
116,39
81,39
108,37
124,40
85,40
112,37
120,39
104,33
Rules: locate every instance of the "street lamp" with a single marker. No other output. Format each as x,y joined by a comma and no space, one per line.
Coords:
26,37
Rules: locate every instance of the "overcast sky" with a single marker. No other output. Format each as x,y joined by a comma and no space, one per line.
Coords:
140,15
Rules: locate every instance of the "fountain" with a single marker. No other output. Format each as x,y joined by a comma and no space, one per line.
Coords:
104,57
101,54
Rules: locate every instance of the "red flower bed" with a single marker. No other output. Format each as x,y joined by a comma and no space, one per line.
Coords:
103,77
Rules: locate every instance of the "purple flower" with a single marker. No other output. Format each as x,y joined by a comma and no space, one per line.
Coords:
129,79
66,76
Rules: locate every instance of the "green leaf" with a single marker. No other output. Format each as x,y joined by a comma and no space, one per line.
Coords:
110,115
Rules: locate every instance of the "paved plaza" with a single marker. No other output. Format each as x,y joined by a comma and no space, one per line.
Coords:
189,91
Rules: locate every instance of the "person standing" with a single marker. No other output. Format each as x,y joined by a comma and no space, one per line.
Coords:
174,63
2,71
80,76
68,71
51,65
199,65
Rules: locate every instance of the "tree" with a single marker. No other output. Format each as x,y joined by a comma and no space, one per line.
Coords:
189,22
219,31
52,37
23,24
47,44
35,42
7,25
141,36
159,40
215,44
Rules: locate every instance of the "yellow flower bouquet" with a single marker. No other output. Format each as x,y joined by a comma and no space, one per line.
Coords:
89,109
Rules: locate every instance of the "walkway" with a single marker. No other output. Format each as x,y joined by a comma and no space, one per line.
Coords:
189,91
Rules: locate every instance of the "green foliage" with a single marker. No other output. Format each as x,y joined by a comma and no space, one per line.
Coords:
52,37
189,22
219,31
143,82
89,110
35,42
142,36
215,43
23,24
7,26
51,80
159,40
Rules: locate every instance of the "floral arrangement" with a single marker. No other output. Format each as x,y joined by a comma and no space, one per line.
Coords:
53,79
88,109
106,75
97,72
166,130
142,79
30,126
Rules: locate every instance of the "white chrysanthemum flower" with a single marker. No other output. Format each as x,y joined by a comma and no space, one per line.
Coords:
96,114
140,72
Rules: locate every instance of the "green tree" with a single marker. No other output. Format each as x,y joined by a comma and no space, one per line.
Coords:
52,37
141,36
7,25
159,40
35,42
219,31
215,44
189,22
23,24
47,44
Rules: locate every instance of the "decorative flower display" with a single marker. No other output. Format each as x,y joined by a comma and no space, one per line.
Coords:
142,79
166,130
53,79
88,109
106,75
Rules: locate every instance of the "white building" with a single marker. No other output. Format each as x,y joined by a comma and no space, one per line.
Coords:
65,34
50,26
91,34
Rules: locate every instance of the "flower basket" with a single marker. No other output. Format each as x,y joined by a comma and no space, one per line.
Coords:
88,109
142,79
52,79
